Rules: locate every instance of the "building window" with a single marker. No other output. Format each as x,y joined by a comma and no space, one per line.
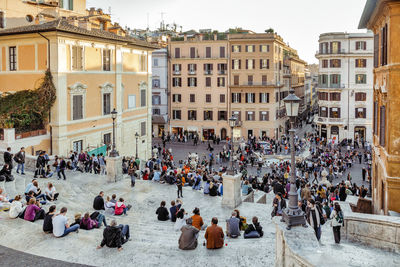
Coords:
264,48
264,116
264,63
13,58
361,63
250,63
156,111
236,98
323,48
236,64
323,112
323,80
192,98
236,80
361,45
335,96
192,52
77,146
208,98
335,63
208,52
131,101
222,98
361,113
264,97
177,98
177,82
250,48
192,115
222,115
334,113
155,62
361,96
192,82
143,63
77,107
176,114
324,63
237,114
142,98
250,116
335,47
382,126
376,118
376,50
250,79
222,52
156,100
106,59
177,52
156,83
176,69
221,81
107,139
208,115
143,128
236,48
335,80
250,97
2,20
384,39
222,68
208,81
106,103
361,78
192,68
66,4
323,96
77,58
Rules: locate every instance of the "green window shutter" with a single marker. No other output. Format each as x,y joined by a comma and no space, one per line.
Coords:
339,79
61,3
71,4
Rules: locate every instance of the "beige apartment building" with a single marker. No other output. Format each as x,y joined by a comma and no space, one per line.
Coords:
198,77
215,76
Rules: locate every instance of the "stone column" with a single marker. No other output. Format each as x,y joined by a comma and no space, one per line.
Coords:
232,196
114,169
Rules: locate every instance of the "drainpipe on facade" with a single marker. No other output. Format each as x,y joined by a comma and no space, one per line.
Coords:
348,91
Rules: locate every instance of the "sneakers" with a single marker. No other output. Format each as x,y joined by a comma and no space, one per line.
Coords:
129,206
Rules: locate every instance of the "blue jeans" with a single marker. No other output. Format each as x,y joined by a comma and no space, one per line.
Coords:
42,196
318,232
101,219
125,232
71,229
20,166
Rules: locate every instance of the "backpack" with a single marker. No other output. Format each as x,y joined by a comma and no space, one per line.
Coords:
339,217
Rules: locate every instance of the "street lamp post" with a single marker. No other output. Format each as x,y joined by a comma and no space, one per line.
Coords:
293,215
232,124
137,137
114,152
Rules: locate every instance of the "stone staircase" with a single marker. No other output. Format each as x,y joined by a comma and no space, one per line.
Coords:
153,243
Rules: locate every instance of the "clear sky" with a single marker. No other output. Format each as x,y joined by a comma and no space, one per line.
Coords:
299,22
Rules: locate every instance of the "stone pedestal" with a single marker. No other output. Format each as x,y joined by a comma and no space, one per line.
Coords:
232,192
114,169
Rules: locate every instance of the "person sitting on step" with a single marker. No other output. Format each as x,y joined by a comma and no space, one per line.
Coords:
115,236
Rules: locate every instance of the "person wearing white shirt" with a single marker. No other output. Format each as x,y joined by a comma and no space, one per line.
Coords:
16,207
51,192
61,226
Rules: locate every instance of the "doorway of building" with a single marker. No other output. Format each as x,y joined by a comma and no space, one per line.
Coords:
359,133
161,129
223,134
323,130
208,134
335,133
249,134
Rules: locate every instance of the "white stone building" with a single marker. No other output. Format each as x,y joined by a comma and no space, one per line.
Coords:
160,91
345,90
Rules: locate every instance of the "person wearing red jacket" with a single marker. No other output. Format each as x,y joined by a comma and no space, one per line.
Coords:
120,207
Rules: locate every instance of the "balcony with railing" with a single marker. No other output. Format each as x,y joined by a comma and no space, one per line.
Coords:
192,72
176,72
332,85
258,84
208,72
222,72
329,120
331,52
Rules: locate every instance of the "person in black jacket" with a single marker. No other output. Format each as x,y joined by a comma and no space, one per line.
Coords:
40,165
48,220
61,168
115,236
20,159
279,205
5,174
342,192
8,157
98,203
254,227
162,212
